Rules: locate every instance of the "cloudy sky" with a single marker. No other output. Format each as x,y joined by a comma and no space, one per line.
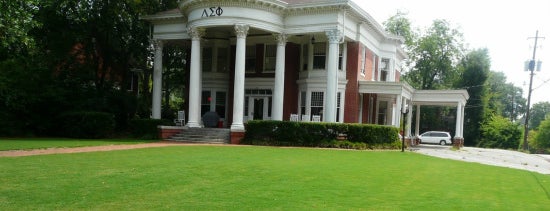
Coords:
503,27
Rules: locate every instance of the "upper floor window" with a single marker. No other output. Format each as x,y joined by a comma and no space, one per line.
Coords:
250,62
207,59
384,69
223,60
363,59
319,55
270,58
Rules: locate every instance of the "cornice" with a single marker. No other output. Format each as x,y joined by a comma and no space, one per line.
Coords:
277,7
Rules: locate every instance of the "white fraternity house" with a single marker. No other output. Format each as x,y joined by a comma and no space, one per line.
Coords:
304,60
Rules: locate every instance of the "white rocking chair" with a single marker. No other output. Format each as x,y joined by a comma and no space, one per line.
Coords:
180,121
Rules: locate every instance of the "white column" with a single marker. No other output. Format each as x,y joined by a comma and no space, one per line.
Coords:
157,80
333,37
279,89
458,127
195,78
398,112
409,120
462,122
417,126
238,91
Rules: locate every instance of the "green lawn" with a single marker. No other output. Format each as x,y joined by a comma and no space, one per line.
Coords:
44,143
263,178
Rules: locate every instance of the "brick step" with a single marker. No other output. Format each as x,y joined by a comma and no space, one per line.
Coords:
203,135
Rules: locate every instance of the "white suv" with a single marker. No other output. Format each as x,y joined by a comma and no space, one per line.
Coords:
435,137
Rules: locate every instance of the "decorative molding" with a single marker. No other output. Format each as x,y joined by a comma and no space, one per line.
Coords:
196,33
241,30
334,35
281,38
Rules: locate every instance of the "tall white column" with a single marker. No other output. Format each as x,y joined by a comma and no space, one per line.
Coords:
417,125
333,37
409,120
458,127
157,80
279,89
238,91
195,78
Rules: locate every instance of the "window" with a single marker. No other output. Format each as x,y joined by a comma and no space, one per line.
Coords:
382,111
319,55
270,58
363,58
303,103
246,106
250,63
220,103
374,72
305,58
207,59
317,103
205,102
384,67
340,56
223,59
338,107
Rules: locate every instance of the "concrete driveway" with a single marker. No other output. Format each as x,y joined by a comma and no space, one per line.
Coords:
496,157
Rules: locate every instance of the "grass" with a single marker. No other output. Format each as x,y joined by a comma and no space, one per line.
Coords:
44,143
263,178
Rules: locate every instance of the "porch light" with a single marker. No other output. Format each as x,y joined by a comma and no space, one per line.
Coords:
313,39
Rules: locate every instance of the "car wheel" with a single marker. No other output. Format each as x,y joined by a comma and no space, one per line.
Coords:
442,143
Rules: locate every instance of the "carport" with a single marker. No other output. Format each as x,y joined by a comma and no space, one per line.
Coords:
456,98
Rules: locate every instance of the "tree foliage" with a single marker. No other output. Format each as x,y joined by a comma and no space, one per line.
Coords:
542,136
539,112
58,56
505,99
500,132
434,57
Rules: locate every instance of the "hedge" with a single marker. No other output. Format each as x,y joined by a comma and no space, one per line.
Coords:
86,124
147,128
321,134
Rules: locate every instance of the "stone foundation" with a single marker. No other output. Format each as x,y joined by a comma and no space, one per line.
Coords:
168,131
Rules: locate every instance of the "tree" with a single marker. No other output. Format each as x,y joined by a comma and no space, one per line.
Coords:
505,99
400,25
434,57
474,73
500,132
542,137
16,21
539,112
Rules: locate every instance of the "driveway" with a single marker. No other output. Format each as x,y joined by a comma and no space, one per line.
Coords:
496,157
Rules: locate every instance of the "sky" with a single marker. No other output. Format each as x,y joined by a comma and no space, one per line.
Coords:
506,28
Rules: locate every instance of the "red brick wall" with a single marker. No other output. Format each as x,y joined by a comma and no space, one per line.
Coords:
353,72
292,68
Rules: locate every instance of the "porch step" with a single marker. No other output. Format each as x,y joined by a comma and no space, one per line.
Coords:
203,135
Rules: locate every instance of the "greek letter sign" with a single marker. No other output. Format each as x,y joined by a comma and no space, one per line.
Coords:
212,12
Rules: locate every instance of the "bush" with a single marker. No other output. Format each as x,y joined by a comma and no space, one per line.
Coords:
147,128
500,132
314,134
86,124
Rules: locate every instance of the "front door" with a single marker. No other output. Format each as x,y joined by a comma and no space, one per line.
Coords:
258,108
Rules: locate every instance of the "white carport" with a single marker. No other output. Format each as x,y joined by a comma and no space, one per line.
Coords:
456,98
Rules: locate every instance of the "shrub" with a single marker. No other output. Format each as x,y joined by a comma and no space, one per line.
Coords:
500,132
147,128
321,134
86,124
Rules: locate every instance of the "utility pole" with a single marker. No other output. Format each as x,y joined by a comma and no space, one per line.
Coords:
532,65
